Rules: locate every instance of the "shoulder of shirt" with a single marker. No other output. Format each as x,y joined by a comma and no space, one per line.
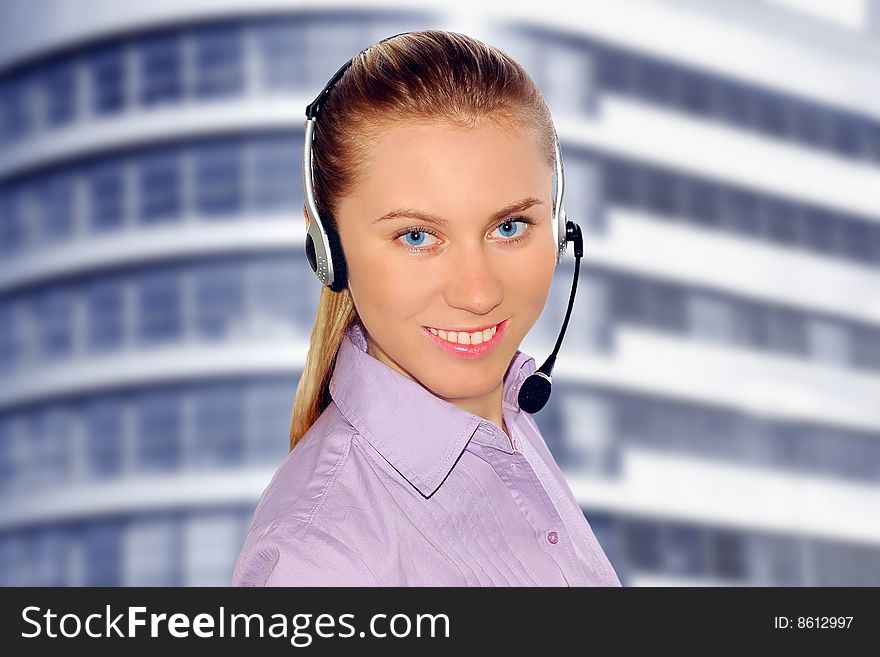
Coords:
288,520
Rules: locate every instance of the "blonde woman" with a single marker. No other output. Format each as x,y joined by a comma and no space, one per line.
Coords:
428,172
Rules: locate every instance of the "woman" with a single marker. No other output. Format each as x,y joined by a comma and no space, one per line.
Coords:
411,462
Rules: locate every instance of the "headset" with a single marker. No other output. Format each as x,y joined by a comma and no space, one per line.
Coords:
324,248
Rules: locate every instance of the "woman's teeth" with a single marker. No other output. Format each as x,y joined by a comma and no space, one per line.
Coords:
460,337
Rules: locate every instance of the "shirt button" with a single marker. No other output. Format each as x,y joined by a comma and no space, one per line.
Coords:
553,537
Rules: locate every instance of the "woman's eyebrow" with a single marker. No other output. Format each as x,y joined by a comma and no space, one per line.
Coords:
427,217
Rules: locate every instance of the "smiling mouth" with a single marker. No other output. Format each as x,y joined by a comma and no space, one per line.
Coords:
465,337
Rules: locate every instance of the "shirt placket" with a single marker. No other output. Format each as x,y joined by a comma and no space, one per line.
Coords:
516,472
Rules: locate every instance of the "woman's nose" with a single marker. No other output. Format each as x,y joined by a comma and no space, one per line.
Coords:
473,282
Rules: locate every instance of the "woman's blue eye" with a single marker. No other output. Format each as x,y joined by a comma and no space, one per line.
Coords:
420,235
510,226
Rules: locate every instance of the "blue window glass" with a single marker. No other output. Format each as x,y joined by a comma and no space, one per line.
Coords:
657,82
268,430
108,79
107,196
847,135
161,69
820,230
786,331
783,222
740,212
771,115
50,437
103,425
667,307
663,193
17,107
219,425
46,551
53,315
813,126
12,226
617,71
59,92
620,182
158,440
277,168
153,552
684,550
102,553
732,103
104,314
281,50
219,65
280,301
727,554
641,541
856,240
865,347
219,179
695,93
702,202
8,457
159,306
160,187
55,201
219,298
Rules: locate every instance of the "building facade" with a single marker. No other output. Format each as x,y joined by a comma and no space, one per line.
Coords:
716,408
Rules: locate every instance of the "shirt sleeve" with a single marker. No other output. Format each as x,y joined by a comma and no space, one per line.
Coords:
296,553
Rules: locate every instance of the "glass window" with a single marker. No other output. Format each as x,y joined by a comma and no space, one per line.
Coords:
771,114
865,347
103,449
641,540
14,340
160,187
740,212
219,299
219,425
820,233
732,103
105,314
219,69
53,315
588,422
829,341
567,76
855,239
657,82
696,93
8,457
152,552
813,125
701,202
846,135
684,550
620,182
710,317
786,331
55,201
270,404
276,174
279,301
13,218
667,307
101,554
107,196
219,179
46,551
108,79
16,107
160,312
783,223
750,324
617,71
727,551
158,440
212,542
59,92
663,193
281,54
161,69
50,435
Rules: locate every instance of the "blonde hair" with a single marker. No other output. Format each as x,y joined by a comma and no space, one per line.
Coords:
429,76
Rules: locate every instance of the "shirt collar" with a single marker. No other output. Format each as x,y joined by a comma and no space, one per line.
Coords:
420,434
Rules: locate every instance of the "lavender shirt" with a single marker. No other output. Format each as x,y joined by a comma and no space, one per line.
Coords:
394,486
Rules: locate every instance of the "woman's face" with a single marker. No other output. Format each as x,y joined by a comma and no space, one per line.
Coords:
477,269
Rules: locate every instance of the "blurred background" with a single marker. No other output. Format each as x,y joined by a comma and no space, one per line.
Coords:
717,409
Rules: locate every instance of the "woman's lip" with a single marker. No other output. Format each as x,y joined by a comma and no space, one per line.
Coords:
468,351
